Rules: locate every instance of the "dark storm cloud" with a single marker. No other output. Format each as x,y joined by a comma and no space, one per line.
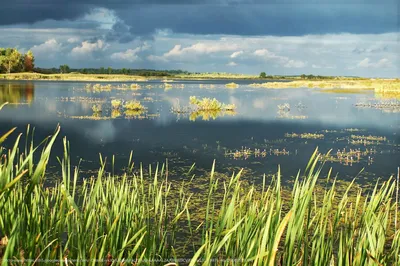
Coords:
239,17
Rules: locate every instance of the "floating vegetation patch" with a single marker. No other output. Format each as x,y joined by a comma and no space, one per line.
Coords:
370,137
232,85
364,142
350,156
92,117
98,87
245,153
81,99
353,129
305,135
386,106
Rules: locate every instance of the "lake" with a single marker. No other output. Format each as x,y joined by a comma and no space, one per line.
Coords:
270,127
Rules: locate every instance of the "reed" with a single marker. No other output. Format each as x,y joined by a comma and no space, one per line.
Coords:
142,216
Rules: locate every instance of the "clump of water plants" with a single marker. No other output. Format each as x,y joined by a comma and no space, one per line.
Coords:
134,105
116,104
135,86
98,87
370,137
208,104
137,113
232,85
305,135
97,108
167,85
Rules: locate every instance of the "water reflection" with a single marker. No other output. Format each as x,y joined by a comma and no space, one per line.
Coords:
268,127
17,93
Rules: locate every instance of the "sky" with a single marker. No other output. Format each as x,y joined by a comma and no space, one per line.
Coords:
279,37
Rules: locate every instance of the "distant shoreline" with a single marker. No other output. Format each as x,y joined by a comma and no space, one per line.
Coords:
130,78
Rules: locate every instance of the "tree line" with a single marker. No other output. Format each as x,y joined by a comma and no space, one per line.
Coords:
13,61
263,75
63,69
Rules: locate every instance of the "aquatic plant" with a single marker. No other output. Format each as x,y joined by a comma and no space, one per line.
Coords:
135,86
133,112
134,105
305,135
370,137
116,104
232,85
208,104
98,87
97,108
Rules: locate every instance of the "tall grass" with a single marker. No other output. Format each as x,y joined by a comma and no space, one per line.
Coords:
145,217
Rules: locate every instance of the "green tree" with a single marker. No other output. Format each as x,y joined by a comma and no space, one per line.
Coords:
29,61
263,75
109,70
10,60
303,76
64,69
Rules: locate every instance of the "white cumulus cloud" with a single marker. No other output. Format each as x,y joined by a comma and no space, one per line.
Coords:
87,48
367,63
47,49
236,54
130,55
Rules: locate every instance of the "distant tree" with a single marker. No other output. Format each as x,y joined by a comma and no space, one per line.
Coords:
29,61
303,76
109,70
102,70
263,75
64,69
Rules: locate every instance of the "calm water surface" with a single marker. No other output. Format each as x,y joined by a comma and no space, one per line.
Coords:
259,126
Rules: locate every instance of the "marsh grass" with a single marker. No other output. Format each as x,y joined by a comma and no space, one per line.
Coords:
116,104
305,135
208,104
97,108
142,216
134,105
380,86
135,86
232,85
